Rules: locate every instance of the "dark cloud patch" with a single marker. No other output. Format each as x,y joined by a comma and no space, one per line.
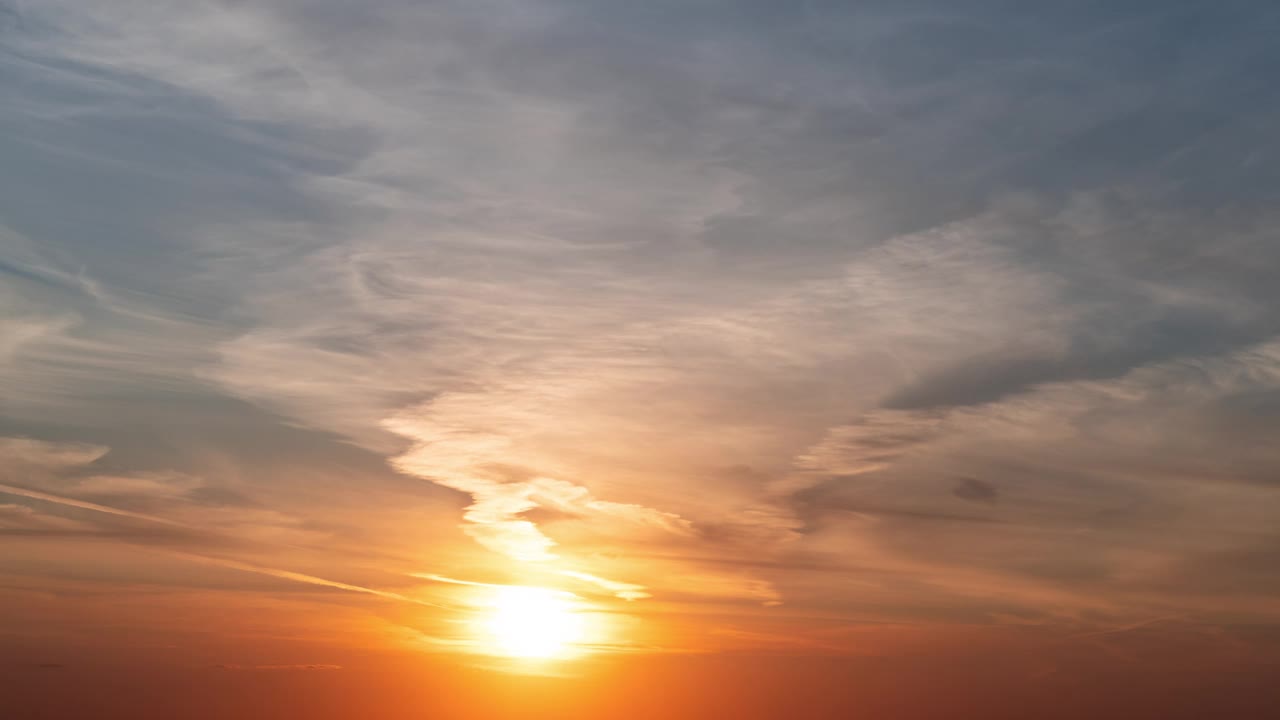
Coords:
1103,354
975,490
976,380
838,497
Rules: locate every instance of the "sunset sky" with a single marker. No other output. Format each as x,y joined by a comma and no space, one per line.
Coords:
639,359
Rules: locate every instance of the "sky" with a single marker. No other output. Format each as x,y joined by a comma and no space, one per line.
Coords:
890,358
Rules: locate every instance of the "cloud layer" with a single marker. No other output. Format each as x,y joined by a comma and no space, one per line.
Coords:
900,312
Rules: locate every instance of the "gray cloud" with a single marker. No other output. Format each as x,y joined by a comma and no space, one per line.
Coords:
975,490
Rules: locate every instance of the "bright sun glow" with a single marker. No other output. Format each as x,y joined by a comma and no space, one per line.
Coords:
530,622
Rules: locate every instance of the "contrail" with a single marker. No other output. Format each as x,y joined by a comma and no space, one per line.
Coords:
69,502
209,559
301,577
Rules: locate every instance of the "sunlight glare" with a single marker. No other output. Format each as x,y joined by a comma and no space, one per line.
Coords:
531,622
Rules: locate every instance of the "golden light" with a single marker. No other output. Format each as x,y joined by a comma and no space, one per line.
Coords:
532,622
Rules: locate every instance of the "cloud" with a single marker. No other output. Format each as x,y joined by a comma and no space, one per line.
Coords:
459,458
974,490
697,304
870,444
30,454
152,484
1083,503
626,591
171,524
20,519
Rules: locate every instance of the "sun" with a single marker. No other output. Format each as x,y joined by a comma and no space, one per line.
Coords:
532,622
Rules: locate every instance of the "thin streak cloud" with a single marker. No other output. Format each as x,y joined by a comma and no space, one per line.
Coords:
211,560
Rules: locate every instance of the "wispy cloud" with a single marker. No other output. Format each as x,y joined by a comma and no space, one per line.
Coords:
25,520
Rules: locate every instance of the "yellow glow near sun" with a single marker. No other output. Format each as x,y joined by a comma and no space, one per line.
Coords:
531,622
